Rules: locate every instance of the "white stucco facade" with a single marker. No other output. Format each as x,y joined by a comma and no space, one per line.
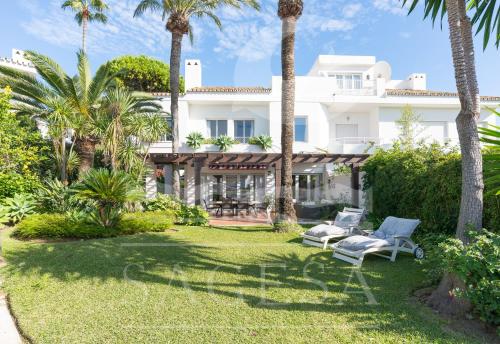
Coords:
344,105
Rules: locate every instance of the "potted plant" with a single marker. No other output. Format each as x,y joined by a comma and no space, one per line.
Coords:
195,140
224,143
263,141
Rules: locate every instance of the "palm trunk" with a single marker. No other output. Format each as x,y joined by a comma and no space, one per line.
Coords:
471,205
64,177
84,34
444,298
286,209
85,148
175,66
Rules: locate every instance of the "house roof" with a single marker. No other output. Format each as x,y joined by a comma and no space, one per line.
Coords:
426,93
229,89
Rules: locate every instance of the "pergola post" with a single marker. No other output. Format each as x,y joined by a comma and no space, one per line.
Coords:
355,185
277,182
198,165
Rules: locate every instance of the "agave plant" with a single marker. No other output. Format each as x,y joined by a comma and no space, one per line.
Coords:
110,190
195,140
17,208
54,197
224,143
263,141
491,136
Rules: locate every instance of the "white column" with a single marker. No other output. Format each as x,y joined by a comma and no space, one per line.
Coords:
151,187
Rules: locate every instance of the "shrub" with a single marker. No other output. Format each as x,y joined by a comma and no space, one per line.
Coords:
423,183
192,215
224,143
151,221
17,208
286,226
143,73
477,265
162,202
54,197
23,151
110,190
195,140
263,141
58,226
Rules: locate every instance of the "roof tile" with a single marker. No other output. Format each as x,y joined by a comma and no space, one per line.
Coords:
426,93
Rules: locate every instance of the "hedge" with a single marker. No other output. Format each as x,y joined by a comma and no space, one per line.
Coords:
423,183
59,226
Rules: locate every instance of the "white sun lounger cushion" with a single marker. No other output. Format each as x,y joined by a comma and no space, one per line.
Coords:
347,220
360,242
326,230
395,226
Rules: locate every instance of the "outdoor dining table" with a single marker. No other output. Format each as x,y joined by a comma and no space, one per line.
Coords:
235,205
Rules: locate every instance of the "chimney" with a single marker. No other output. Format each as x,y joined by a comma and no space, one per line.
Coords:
418,81
192,74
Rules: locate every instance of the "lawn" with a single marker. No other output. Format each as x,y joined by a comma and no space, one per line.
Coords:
217,285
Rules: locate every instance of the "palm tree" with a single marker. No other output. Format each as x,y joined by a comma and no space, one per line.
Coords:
491,136
87,11
121,118
179,12
289,11
110,190
471,206
82,94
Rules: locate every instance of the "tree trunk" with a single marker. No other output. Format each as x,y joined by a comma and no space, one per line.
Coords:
471,205
85,147
175,65
84,34
445,300
285,207
64,177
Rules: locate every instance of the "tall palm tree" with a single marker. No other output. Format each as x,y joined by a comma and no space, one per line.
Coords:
121,118
81,93
179,13
471,205
289,11
87,11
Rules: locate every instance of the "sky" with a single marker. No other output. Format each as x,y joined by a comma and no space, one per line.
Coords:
247,51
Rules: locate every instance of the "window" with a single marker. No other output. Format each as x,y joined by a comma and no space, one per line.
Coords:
348,81
300,129
307,187
243,130
217,128
346,131
167,137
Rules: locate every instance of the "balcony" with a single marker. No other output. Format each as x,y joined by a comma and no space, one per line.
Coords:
354,145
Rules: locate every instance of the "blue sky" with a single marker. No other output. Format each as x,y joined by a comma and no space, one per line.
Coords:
247,51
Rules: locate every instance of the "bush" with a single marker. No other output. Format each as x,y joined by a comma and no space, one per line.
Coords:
151,221
23,151
143,73
54,197
423,183
109,190
192,215
162,202
263,141
477,265
60,226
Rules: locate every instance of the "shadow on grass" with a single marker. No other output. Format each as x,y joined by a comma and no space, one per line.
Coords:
319,280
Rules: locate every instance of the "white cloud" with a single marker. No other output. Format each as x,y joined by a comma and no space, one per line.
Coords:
122,34
390,6
405,34
351,10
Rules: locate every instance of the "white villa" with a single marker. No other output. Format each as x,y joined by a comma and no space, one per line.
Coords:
18,61
345,107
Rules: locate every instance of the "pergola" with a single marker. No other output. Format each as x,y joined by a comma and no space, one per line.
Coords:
258,162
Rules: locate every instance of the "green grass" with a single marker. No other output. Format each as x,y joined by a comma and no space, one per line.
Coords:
204,285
